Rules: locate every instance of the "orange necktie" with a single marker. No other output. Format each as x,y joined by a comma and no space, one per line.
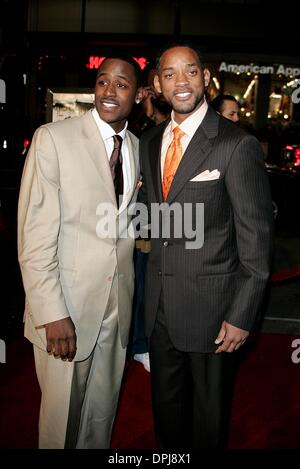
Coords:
173,158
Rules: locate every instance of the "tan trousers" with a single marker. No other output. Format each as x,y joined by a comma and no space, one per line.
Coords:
79,400
55,380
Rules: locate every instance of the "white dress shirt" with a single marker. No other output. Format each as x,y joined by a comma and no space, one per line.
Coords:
107,133
188,126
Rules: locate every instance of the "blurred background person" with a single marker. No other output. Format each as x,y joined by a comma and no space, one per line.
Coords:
227,106
151,108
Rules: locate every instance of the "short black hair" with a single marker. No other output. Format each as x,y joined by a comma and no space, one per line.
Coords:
183,43
131,61
218,101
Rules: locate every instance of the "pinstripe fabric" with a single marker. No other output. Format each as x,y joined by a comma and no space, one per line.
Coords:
227,277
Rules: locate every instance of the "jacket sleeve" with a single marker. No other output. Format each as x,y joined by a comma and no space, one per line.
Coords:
39,218
249,191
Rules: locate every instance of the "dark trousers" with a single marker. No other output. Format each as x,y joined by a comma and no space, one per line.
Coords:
191,393
138,342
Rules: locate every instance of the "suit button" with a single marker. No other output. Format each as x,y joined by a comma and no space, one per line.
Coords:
166,244
160,273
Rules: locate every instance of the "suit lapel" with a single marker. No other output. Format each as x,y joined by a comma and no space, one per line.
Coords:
196,153
96,149
133,153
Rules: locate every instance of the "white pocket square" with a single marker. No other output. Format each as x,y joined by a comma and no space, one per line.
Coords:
207,176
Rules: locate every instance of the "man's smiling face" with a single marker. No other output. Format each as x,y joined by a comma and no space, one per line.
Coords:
182,80
115,92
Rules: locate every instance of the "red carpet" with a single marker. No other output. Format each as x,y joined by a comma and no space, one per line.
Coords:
266,408
285,274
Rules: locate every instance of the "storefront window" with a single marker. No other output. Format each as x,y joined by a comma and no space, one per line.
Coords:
252,84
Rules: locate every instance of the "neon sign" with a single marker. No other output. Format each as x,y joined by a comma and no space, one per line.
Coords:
142,61
259,69
95,61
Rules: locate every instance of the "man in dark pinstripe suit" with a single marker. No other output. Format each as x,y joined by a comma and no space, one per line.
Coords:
202,303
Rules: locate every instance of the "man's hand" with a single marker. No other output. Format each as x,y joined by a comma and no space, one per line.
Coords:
147,94
230,338
61,339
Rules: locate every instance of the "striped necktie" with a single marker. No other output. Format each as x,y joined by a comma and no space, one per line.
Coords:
115,164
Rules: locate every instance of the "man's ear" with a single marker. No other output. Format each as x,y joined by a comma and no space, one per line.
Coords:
157,84
206,74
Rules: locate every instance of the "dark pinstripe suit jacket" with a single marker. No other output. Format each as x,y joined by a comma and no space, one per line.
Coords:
227,276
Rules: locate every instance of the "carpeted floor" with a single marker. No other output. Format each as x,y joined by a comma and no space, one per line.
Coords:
266,407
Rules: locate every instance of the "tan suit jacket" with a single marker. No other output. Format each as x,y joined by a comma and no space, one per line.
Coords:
67,268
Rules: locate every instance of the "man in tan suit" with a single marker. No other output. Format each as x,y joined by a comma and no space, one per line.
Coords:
78,279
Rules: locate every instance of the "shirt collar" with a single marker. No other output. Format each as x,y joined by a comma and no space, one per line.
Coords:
105,129
191,123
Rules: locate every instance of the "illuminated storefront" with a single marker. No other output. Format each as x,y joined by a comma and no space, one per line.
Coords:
280,91
264,85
